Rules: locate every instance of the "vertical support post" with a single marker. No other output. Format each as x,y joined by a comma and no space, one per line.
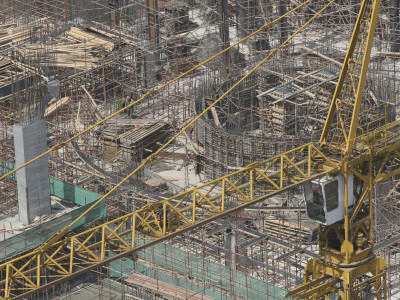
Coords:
224,30
223,195
165,218
346,243
113,6
371,187
32,180
394,23
281,175
309,160
133,240
38,273
152,17
7,284
71,258
194,207
385,292
283,22
103,242
252,184
104,77
347,283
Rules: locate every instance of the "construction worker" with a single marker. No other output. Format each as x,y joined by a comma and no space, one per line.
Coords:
123,102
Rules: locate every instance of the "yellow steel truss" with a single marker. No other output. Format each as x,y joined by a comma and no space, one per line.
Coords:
346,267
154,222
346,100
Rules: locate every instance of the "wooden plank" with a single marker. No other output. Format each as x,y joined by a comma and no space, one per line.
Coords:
56,106
165,289
215,116
99,116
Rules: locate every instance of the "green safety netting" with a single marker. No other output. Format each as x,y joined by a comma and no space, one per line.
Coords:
35,236
216,279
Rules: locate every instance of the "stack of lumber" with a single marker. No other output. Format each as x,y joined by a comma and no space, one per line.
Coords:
136,139
143,137
79,49
111,135
6,69
55,105
289,231
68,55
9,33
91,40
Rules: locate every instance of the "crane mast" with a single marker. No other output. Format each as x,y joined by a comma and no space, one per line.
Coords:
347,266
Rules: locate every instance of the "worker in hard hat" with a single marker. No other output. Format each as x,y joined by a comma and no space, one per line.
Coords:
123,102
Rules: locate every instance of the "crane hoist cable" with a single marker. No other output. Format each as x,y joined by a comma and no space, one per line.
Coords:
153,92
147,160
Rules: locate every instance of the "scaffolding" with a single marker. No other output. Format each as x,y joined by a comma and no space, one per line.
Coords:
101,51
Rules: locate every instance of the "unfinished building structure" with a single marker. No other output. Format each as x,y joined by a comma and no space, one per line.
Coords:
101,51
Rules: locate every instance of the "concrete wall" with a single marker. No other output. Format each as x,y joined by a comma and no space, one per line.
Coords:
33,180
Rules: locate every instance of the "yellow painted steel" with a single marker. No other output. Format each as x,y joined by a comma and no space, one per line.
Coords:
154,92
369,150
157,221
177,216
346,266
62,232
347,98
186,211
147,160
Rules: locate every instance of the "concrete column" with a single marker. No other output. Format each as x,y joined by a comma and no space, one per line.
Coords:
32,180
230,248
224,30
152,16
394,25
283,23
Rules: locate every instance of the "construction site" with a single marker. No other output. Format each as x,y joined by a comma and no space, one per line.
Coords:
148,147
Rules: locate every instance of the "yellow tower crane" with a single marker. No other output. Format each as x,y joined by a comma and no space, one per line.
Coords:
338,173
342,201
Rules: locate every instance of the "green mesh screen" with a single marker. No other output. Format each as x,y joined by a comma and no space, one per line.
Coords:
35,236
218,281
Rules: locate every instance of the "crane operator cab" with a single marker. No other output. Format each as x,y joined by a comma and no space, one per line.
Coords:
325,199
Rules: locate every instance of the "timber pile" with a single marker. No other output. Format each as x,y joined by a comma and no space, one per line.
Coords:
14,34
80,50
55,105
166,290
91,40
111,135
286,230
136,141
7,68
68,55
144,137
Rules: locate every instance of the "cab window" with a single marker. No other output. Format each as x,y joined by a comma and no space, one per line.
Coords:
314,202
332,195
